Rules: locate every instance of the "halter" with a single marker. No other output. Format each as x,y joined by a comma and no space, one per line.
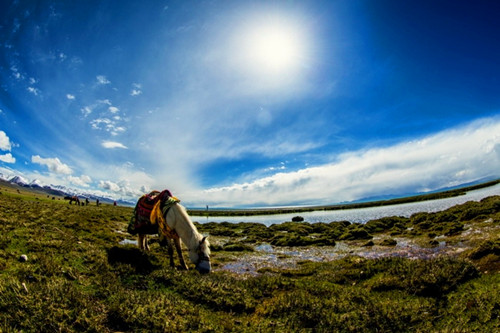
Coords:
203,264
202,256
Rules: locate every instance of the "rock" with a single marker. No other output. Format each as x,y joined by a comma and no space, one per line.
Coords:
23,258
389,242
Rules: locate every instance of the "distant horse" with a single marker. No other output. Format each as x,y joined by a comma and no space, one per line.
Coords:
72,198
173,225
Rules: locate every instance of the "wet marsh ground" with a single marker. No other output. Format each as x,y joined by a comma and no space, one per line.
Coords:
436,272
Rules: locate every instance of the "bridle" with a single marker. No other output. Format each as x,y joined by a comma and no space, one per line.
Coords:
202,256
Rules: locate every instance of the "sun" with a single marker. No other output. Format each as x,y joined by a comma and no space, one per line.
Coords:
274,48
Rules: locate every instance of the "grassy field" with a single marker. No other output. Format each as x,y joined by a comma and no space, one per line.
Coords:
78,277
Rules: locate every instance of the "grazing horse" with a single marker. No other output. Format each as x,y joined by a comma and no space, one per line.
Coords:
172,223
73,198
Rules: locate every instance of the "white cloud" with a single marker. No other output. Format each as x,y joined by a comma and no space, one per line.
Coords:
53,164
15,73
107,125
100,122
70,97
7,158
4,141
446,159
33,90
104,101
135,92
83,180
123,180
113,109
86,110
109,185
101,79
113,145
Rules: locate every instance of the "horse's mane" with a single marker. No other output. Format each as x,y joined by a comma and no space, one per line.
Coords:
193,237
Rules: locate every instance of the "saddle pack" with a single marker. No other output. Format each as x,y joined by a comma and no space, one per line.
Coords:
141,219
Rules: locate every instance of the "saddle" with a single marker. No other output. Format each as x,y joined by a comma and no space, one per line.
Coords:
141,219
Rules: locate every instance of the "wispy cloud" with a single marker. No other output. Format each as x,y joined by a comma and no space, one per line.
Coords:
53,164
102,80
113,109
107,124
33,90
136,90
70,96
113,145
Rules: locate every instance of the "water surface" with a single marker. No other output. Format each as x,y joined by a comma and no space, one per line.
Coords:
361,215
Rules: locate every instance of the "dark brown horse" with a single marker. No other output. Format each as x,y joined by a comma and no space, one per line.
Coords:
72,198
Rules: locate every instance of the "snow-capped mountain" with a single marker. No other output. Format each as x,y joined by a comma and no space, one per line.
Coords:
60,190
36,183
19,181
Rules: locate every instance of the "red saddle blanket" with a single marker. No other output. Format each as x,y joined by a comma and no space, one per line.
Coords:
140,221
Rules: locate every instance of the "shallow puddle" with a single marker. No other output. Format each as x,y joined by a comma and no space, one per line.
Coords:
267,256
128,242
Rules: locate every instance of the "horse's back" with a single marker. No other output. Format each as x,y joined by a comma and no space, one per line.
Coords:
140,223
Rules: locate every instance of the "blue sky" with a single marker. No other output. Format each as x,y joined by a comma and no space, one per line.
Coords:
250,103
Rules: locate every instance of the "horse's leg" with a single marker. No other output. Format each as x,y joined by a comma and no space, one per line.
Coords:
177,243
143,242
140,241
165,241
170,252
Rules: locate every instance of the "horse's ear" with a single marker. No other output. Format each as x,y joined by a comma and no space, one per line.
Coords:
203,240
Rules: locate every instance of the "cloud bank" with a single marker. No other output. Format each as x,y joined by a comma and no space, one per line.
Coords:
445,159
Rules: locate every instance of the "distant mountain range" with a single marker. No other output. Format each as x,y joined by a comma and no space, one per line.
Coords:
59,190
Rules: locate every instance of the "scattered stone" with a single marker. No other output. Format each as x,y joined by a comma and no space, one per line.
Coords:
368,244
389,242
434,243
23,258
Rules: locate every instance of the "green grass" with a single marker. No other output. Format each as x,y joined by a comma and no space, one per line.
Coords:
79,278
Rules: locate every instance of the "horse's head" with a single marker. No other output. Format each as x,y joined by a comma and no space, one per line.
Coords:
201,257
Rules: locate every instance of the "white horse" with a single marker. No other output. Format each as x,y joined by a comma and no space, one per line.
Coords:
180,227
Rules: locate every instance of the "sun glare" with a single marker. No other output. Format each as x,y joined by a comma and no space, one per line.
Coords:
272,47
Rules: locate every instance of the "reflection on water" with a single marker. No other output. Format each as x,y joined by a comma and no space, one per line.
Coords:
362,215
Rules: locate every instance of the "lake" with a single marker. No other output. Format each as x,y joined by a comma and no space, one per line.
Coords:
361,215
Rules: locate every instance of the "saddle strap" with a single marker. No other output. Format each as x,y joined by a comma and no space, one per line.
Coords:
158,216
